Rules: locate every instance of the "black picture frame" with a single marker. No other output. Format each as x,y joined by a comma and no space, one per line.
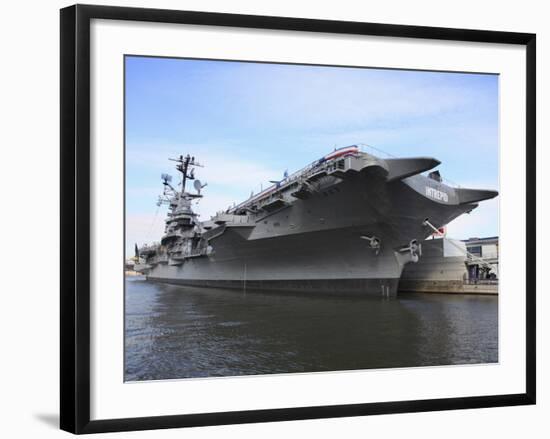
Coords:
75,217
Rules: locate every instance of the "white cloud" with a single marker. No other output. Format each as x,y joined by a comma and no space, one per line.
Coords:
143,228
319,97
481,222
220,168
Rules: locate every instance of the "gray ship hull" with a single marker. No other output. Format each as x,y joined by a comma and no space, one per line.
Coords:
319,243
330,262
375,287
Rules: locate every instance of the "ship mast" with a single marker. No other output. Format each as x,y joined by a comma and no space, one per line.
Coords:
185,165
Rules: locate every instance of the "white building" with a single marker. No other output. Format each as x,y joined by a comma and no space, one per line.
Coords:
487,250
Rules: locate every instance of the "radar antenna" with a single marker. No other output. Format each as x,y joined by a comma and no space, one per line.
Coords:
183,165
198,186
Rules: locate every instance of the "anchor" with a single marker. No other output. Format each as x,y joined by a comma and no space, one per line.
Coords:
414,249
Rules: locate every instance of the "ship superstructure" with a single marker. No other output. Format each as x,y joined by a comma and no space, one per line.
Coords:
347,222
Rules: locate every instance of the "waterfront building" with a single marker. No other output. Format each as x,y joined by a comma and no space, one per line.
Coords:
486,249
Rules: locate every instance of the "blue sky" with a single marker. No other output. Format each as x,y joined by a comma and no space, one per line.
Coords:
248,122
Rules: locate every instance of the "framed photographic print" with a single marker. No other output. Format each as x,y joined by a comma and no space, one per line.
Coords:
274,218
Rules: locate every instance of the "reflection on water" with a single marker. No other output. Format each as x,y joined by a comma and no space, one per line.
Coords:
182,332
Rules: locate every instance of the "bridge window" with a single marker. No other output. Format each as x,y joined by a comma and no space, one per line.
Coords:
475,250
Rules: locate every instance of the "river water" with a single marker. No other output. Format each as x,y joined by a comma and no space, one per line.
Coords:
181,332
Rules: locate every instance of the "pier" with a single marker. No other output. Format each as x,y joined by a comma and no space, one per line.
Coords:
447,287
447,267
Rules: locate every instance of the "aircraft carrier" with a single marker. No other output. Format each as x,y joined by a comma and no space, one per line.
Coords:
346,223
